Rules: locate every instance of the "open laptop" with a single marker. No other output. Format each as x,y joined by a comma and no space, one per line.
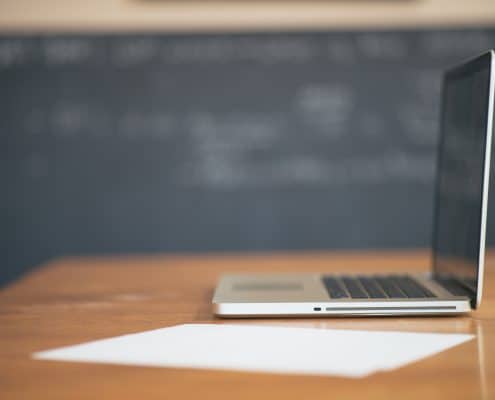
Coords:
455,283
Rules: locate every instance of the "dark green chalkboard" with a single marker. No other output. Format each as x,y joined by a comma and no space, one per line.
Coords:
137,143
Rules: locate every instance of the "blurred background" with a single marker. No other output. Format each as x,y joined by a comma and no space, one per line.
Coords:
132,126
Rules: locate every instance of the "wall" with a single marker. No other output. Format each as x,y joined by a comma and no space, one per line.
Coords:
188,15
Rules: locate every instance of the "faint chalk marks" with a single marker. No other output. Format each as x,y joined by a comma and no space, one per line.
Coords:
341,50
418,115
276,50
66,51
298,170
223,49
141,124
419,125
455,44
14,52
35,121
71,120
228,147
200,50
326,109
372,125
133,52
234,130
382,47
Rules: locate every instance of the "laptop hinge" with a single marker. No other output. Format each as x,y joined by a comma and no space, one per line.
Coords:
445,281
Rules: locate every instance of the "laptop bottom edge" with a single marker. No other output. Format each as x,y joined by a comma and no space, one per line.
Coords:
333,309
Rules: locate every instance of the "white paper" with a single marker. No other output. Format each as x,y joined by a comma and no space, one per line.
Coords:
271,349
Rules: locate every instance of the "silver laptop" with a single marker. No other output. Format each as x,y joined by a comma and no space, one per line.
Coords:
454,285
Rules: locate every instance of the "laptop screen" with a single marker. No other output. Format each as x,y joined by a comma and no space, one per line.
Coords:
460,214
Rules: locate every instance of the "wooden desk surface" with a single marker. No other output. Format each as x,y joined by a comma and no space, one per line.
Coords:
74,300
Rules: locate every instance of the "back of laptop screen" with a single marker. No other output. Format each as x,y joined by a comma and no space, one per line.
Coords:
461,169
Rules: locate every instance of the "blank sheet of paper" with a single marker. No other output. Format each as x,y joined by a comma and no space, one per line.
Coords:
270,349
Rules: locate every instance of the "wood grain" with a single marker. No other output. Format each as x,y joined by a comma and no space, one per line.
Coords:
73,300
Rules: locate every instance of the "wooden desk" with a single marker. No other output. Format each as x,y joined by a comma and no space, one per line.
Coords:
74,300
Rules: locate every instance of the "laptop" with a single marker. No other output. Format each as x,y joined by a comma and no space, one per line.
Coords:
455,282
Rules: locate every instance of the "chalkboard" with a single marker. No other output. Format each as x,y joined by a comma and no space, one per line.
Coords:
220,142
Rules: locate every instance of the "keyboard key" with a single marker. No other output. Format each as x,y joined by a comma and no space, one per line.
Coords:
372,288
413,283
407,286
377,287
334,288
354,288
389,288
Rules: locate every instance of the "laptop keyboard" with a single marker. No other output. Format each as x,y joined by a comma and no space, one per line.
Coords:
375,287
